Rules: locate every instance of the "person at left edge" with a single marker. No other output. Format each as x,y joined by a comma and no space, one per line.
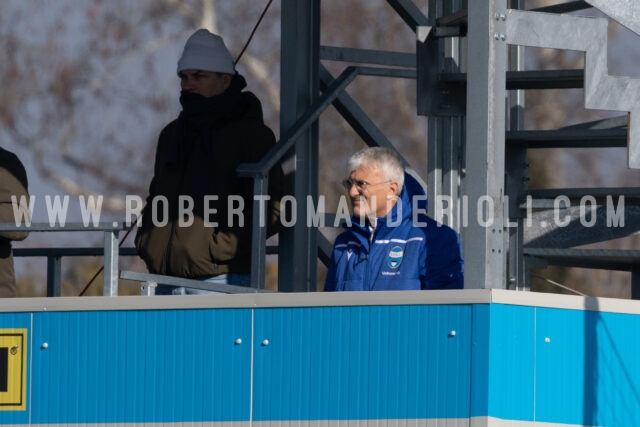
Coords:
220,127
13,182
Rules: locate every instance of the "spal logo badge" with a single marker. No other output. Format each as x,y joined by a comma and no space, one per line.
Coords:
395,257
13,368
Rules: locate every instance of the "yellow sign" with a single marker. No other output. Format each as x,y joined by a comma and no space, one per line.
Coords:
13,369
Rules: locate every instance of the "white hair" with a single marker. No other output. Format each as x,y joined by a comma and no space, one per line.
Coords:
384,159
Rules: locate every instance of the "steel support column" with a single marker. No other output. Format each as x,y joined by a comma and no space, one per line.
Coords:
300,35
483,236
516,166
446,120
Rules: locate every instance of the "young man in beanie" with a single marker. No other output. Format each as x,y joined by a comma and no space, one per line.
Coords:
198,218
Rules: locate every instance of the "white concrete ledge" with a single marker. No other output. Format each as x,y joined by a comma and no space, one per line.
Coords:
320,299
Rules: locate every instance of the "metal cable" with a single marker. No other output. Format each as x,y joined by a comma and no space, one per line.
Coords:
558,284
255,27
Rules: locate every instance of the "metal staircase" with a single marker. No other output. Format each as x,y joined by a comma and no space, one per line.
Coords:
469,65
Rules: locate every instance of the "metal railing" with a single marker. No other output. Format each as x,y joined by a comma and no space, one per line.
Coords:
148,283
110,251
54,261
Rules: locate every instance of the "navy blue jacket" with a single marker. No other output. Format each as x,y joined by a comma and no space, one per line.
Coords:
398,254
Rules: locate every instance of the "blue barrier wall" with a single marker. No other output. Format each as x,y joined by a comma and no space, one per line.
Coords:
469,357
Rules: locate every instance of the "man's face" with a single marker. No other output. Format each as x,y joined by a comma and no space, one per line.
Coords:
370,192
205,83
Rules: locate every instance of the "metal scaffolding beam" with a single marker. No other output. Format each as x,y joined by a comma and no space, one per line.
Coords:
483,238
300,44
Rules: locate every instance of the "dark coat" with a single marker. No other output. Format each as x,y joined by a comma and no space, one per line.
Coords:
199,169
13,182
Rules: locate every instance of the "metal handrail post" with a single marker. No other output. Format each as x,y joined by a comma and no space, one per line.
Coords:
110,263
54,269
148,288
259,233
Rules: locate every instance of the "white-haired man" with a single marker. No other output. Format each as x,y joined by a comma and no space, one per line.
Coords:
388,245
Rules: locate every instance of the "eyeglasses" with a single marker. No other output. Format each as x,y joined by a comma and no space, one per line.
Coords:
360,185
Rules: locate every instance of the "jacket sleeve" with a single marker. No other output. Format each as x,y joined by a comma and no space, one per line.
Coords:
331,281
13,182
146,212
335,275
227,241
444,263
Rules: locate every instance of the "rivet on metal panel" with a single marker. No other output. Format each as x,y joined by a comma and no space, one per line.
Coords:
238,341
503,37
496,36
497,16
14,349
265,342
44,345
547,340
503,16
452,333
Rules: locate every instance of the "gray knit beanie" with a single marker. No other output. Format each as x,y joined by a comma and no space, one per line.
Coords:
206,51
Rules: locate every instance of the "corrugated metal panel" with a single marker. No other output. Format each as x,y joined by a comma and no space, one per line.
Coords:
332,365
503,362
150,366
356,363
587,367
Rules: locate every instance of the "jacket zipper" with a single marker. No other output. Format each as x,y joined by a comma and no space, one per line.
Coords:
367,269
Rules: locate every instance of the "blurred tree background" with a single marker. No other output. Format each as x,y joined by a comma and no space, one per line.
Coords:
89,85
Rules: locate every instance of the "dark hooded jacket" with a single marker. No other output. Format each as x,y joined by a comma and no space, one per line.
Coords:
13,182
196,161
407,250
